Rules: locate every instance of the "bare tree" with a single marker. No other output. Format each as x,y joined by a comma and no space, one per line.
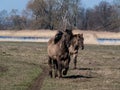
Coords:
116,15
3,19
100,17
49,13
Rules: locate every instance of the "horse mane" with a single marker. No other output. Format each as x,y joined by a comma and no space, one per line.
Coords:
58,37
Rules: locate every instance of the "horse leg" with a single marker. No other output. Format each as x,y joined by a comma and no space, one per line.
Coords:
50,66
59,68
55,68
66,65
75,60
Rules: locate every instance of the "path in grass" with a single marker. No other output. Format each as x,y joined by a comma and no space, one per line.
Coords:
37,84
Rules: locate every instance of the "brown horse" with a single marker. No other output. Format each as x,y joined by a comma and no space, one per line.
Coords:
76,43
58,53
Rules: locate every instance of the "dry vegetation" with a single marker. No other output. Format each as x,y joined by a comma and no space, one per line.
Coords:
20,63
90,36
49,33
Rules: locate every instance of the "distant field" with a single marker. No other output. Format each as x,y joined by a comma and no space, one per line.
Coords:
98,68
49,33
90,36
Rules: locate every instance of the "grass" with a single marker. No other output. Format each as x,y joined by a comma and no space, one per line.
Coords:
20,64
98,68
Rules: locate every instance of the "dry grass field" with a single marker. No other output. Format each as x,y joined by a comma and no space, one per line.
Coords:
90,36
23,66
49,33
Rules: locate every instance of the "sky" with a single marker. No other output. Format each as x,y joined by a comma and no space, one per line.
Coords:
92,3
21,4
13,4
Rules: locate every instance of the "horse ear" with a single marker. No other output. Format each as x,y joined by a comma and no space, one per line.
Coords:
81,34
69,31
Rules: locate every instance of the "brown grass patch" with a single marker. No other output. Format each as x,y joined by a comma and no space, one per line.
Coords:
3,69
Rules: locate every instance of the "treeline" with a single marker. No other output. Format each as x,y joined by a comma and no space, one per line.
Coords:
56,14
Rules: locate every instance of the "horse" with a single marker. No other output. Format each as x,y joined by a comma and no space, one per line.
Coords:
58,53
77,42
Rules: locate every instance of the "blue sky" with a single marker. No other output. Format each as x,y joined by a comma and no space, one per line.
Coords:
13,4
92,3
21,4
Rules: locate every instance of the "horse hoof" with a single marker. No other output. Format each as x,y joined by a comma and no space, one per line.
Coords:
56,75
74,68
50,74
64,72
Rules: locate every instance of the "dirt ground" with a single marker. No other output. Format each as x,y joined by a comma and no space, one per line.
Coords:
37,84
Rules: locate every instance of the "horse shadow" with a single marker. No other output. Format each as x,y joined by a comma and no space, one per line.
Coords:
84,69
81,69
77,76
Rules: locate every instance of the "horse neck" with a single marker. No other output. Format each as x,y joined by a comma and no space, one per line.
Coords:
72,40
63,45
